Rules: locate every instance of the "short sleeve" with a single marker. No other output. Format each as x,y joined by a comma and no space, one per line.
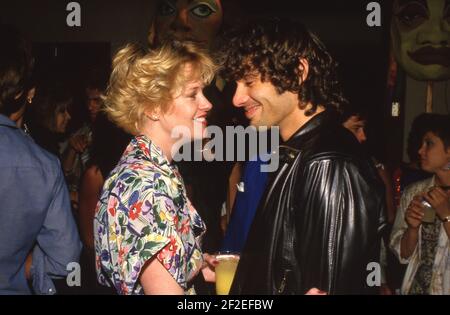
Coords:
153,233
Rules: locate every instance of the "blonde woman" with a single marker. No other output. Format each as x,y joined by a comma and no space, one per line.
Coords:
147,234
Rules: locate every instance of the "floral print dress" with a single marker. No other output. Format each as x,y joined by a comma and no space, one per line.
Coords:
143,212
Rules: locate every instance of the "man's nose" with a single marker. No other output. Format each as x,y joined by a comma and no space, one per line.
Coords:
240,96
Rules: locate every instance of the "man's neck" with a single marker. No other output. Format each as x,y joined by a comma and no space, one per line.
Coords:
296,120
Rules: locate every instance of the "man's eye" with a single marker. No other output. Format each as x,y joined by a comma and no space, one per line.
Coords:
166,9
412,15
202,10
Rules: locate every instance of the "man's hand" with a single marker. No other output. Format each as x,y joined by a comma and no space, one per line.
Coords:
28,262
315,291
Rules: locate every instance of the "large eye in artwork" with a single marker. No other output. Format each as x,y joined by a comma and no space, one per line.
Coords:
166,9
202,10
412,14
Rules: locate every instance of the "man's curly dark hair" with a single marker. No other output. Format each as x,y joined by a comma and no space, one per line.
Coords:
273,48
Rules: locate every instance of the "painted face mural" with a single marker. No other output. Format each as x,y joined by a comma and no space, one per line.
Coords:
421,38
195,20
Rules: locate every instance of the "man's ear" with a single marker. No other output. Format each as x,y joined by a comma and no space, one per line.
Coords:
303,68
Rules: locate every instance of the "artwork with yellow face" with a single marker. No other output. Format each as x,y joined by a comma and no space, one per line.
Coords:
420,33
195,20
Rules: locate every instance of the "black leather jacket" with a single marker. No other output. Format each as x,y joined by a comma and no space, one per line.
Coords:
319,223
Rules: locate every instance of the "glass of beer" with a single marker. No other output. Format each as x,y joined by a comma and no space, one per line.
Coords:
225,270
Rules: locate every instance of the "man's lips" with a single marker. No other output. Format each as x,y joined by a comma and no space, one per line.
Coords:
431,56
250,110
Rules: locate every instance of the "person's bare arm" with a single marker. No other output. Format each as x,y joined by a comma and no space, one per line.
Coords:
28,263
413,217
156,280
77,145
91,186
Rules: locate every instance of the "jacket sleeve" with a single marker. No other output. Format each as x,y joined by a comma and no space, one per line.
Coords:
339,225
58,242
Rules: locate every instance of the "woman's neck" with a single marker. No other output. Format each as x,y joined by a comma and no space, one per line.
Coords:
442,178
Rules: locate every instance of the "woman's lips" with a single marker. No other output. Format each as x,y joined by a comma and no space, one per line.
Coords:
201,120
431,56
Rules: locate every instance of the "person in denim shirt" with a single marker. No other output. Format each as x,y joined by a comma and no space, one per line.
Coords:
38,235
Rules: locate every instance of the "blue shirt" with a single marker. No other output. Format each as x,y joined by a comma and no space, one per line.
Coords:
35,215
247,199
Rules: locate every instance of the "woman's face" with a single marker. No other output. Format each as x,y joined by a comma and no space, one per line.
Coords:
62,118
433,154
186,114
195,20
421,38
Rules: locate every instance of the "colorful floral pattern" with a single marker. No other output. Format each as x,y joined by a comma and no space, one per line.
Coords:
143,211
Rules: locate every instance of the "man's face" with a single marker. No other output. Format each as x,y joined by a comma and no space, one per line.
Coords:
264,106
94,102
356,125
421,38
195,20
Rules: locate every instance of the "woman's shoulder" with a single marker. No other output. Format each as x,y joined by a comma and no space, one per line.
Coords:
419,186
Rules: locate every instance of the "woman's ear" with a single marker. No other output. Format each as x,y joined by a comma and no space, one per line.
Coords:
303,68
152,114
30,95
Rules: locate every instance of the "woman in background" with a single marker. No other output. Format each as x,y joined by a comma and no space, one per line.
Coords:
108,144
423,242
49,116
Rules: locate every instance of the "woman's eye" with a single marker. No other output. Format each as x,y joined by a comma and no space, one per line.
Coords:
412,15
202,10
166,9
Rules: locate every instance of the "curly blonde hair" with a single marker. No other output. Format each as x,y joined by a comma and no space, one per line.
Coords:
144,80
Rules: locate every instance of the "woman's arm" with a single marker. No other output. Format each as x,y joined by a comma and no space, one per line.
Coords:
91,186
413,217
156,280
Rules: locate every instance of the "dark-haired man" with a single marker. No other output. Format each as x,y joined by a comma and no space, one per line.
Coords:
318,224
